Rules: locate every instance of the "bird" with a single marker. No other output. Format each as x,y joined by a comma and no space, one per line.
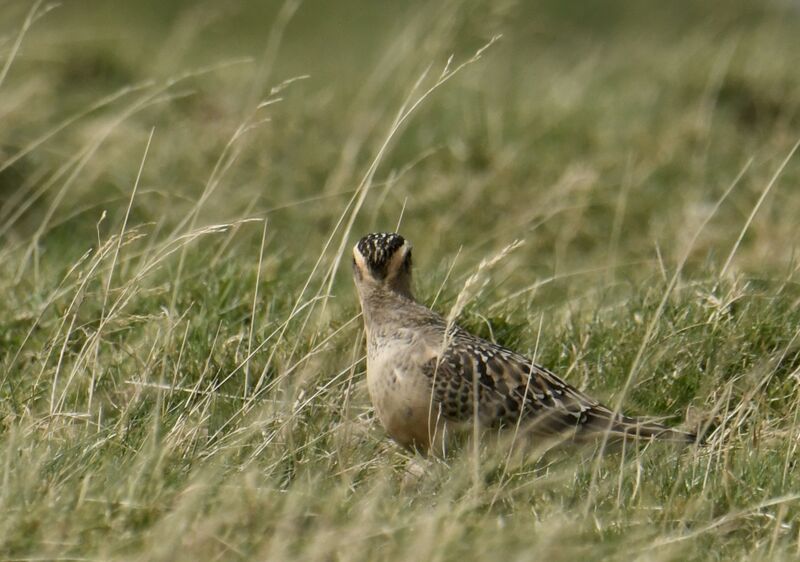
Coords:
429,379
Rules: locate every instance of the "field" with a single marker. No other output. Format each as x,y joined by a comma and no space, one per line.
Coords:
611,187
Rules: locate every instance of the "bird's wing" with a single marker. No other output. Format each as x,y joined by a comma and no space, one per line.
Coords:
512,389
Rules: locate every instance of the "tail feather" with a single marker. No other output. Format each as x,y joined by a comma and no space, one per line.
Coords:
635,429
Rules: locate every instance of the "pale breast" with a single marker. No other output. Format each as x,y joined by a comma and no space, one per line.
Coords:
399,389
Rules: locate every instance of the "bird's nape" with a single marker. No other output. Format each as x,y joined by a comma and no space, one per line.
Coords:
378,250
384,259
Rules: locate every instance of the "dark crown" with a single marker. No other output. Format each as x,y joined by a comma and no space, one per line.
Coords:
379,247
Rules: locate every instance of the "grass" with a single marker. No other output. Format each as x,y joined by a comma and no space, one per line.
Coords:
182,360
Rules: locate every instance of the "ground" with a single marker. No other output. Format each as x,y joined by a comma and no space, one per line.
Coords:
610,187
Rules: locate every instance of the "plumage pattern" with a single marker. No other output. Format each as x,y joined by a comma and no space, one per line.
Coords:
513,390
421,380
378,249
510,387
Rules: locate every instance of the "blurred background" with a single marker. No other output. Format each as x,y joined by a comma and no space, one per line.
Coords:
602,126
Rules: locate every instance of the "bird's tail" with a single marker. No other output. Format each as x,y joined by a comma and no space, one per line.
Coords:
635,429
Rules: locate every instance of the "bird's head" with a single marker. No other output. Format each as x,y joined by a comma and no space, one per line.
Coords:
382,260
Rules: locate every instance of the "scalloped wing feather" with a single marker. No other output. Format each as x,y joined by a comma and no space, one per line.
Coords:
512,390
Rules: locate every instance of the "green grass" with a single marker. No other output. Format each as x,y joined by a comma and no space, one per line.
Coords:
173,390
